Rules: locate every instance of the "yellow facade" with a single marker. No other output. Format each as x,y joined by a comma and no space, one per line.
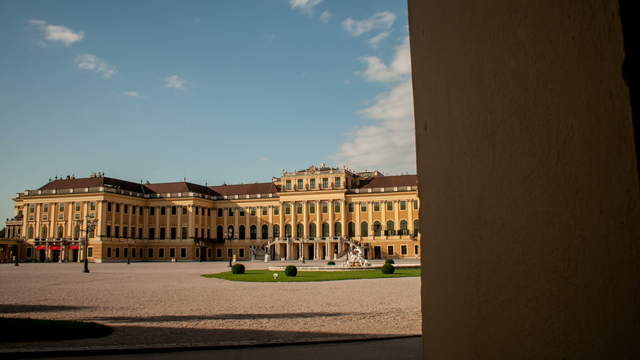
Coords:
315,213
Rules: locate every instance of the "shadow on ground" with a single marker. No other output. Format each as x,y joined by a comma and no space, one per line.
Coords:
169,318
24,308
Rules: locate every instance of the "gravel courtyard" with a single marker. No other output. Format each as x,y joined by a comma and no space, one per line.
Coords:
170,304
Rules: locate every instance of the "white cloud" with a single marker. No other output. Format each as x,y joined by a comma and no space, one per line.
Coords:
58,32
399,68
131,93
263,158
388,143
379,21
325,16
93,63
375,41
304,6
174,82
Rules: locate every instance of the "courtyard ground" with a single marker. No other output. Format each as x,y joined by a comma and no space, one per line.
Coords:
171,305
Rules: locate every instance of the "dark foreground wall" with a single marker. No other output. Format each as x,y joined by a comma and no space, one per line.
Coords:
527,168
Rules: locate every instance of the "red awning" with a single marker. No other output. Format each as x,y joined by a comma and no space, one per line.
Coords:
41,247
54,247
74,247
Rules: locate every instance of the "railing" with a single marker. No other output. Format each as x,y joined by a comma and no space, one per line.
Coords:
384,189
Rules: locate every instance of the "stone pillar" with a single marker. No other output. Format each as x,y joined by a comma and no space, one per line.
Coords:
528,180
357,210
259,222
293,206
410,220
157,235
343,218
330,206
370,211
225,217
236,223
179,226
270,229
305,219
145,224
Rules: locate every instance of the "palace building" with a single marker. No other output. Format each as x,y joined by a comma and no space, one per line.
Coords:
313,214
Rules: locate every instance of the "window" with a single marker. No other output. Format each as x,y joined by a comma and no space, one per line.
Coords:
162,233
230,232
219,212
276,231
299,230
298,208
117,207
364,229
162,210
287,209
390,228
133,210
363,207
230,252
351,207
126,208
29,252
61,207
390,250
241,232
312,208
161,252
276,210
126,252
173,233
377,228
403,250
404,229
312,230
183,252
337,229
325,207
403,205
209,252
219,232
299,184
172,252
230,211
133,252
325,230
174,210
93,207
152,211
416,250
117,252
60,232
264,211
325,183
253,211
389,206
117,234
265,231
45,208
415,204
351,229
30,232
376,206
108,230
184,210
124,231
253,232
195,232
241,211
139,233
336,207
208,233
288,184
150,252
416,227
219,253
77,206
338,182
208,212
108,252
43,232
184,232
196,209
312,183
152,233
287,231
32,208
90,252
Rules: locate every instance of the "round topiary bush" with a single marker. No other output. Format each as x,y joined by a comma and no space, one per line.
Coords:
389,261
291,271
388,269
237,269
331,263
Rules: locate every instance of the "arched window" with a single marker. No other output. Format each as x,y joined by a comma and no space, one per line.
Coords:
391,230
76,232
364,229
30,232
300,230
265,231
312,230
416,227
325,230
377,228
404,229
60,232
287,231
253,232
276,231
219,232
43,232
230,233
241,232
351,229
337,229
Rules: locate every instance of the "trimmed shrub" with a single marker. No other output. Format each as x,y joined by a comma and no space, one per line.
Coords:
331,263
388,269
237,269
291,271
389,261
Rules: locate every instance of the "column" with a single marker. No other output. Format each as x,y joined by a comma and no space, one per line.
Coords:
225,217
370,211
396,213
247,215
131,234
145,224
357,210
179,226
36,231
259,222
410,220
343,218
383,220
305,219
270,229
293,219
331,234
281,222
157,212
236,221
167,230
101,213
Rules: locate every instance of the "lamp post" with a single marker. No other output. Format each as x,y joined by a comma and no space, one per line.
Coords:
88,229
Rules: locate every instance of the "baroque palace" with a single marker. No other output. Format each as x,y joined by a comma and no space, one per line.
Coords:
314,213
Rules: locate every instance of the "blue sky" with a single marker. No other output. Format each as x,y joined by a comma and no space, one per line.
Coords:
214,91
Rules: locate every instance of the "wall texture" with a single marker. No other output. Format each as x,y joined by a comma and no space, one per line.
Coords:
530,192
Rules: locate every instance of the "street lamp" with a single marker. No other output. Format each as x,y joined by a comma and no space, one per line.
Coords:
89,227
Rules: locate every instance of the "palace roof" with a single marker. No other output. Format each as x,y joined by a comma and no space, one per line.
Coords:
389,181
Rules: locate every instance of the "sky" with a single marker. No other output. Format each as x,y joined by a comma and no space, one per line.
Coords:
208,91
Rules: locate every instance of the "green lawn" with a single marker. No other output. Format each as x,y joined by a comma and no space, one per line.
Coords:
26,330
267,275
